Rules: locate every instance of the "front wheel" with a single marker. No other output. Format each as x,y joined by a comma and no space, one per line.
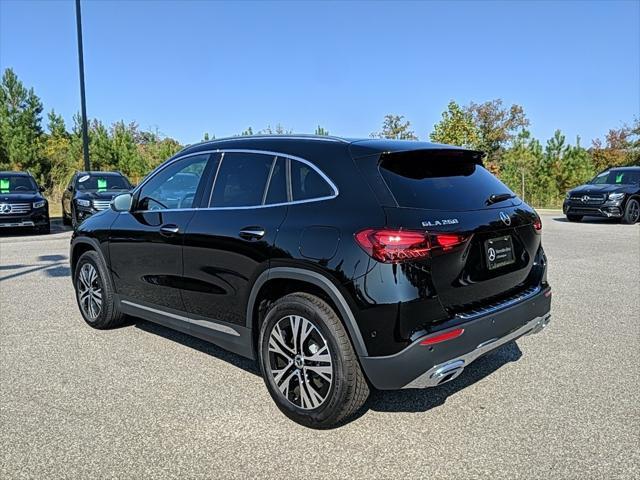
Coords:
65,219
574,218
308,363
94,292
74,218
631,212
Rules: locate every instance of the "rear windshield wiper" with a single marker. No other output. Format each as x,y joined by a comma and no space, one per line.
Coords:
499,197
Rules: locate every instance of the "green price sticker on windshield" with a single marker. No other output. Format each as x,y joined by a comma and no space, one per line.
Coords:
4,184
102,184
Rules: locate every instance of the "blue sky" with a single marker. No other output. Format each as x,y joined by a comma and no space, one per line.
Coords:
195,66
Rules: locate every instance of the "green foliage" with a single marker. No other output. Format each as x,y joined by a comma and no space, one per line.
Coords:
321,131
621,147
542,177
496,125
456,128
20,127
248,132
394,127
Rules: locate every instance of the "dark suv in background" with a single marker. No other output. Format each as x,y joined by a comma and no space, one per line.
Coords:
614,193
340,265
22,203
91,192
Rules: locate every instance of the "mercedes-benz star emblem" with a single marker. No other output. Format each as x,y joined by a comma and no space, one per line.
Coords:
585,198
492,254
506,219
5,208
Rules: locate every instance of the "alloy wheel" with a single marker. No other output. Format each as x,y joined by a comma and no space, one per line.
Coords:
300,362
89,291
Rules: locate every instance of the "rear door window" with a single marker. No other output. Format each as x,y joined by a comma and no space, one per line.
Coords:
433,181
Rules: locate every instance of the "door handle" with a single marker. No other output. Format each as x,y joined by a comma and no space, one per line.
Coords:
169,230
252,233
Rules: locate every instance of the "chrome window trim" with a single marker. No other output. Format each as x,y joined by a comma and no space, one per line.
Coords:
322,138
239,150
215,177
268,184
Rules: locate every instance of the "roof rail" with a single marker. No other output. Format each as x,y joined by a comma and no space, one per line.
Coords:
305,136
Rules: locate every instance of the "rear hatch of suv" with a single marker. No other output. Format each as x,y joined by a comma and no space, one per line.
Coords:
482,239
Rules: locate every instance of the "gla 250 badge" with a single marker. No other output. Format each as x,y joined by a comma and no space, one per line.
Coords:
443,221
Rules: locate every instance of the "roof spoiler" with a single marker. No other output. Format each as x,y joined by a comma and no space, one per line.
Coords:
437,154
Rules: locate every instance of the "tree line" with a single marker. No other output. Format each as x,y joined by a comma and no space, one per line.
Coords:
542,174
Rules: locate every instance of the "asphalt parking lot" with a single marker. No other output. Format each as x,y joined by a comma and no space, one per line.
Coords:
143,401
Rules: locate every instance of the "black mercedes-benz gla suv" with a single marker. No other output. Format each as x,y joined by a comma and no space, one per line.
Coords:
91,192
613,193
22,203
339,265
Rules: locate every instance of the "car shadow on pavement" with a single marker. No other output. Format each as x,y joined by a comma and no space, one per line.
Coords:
422,400
195,343
53,266
411,400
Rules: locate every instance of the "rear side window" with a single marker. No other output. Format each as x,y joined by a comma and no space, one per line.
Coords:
241,180
440,181
308,184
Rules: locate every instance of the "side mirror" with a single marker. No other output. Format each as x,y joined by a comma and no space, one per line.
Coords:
41,189
70,188
122,203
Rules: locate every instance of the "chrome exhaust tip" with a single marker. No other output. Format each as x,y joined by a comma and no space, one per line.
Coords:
446,373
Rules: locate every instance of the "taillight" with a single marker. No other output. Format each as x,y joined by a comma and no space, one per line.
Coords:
394,246
391,246
443,337
537,225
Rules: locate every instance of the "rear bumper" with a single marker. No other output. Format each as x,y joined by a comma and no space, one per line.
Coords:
421,366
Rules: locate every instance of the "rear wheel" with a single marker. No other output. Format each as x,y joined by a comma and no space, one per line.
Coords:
574,218
308,362
94,292
631,212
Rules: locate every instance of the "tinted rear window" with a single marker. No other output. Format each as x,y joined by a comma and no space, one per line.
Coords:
434,181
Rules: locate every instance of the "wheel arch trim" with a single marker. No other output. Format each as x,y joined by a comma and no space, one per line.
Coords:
319,280
86,241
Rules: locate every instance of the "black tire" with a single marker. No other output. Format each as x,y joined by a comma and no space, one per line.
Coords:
65,219
109,316
74,219
348,389
574,218
631,212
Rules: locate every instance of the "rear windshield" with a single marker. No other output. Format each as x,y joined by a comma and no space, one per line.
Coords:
433,181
